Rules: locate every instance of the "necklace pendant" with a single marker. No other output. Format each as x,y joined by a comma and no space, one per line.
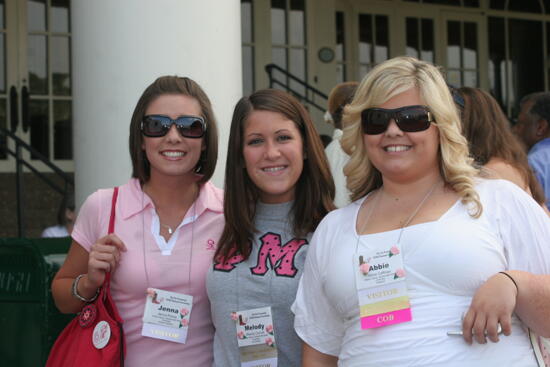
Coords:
170,230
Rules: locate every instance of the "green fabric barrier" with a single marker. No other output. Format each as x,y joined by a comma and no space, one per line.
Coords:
29,320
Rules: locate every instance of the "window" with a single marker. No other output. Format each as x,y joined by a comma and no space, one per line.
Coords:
3,87
524,6
49,76
288,39
374,44
516,67
466,3
340,48
247,32
420,39
462,53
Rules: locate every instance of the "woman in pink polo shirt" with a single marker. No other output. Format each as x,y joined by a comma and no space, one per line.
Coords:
168,220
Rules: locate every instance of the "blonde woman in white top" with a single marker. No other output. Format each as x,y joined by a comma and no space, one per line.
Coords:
469,266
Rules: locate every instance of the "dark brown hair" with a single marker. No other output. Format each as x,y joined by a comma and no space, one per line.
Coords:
314,189
490,135
541,107
341,95
67,202
174,85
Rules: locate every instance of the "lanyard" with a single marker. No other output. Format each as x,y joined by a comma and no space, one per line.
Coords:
375,204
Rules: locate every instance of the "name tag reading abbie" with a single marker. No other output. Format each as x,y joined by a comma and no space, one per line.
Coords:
166,315
381,288
256,337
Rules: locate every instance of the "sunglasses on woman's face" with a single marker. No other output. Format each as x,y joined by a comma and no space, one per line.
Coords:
155,126
409,119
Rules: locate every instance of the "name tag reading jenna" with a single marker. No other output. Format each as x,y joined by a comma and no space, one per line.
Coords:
166,315
255,337
381,288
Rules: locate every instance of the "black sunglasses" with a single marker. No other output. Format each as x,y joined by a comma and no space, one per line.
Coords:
409,119
155,126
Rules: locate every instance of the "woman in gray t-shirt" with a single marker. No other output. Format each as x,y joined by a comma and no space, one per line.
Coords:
278,188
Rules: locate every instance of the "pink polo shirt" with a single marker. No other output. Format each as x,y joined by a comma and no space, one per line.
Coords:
177,266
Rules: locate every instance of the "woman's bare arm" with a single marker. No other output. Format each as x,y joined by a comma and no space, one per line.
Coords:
103,257
75,263
501,169
498,298
313,358
533,301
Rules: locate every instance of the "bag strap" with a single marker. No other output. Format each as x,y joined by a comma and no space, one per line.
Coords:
113,204
111,229
536,348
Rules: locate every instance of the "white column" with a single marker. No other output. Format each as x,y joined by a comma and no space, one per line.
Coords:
119,48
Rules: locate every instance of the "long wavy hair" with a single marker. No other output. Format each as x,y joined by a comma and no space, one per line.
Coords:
386,81
314,192
490,135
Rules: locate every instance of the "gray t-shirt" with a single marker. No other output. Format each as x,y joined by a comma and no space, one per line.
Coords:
269,277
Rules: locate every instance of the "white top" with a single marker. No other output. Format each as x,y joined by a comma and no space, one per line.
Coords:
55,231
445,261
337,159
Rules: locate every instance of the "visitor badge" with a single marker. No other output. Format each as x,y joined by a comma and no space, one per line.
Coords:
166,315
381,288
256,337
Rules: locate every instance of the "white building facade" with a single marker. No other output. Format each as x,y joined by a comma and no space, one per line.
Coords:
71,71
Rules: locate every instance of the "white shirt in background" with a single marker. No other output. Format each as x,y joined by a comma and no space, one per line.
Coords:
337,159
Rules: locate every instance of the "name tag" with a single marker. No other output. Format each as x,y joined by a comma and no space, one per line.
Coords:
166,315
256,337
381,288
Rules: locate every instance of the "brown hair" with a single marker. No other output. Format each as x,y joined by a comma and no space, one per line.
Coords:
314,188
174,85
541,107
341,95
490,135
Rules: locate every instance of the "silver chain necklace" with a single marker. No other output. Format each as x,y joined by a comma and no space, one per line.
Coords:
375,204
170,231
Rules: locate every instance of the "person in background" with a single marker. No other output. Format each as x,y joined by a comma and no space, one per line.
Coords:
65,219
430,261
278,188
169,218
339,97
492,143
533,128
326,140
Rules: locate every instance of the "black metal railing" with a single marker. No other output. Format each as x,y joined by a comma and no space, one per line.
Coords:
310,97
20,162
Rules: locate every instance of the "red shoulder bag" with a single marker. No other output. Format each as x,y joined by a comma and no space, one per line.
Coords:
95,337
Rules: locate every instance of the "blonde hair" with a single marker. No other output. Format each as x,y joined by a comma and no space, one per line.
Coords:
386,81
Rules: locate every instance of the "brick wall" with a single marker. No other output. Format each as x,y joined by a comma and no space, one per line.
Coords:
40,204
